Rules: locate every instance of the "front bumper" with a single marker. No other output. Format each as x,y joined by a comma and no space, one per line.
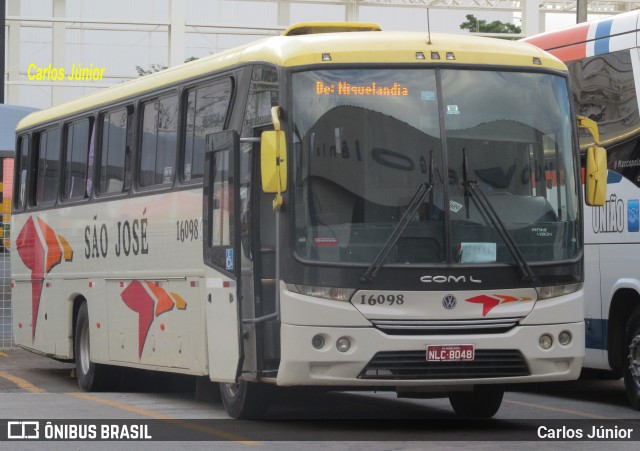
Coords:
302,364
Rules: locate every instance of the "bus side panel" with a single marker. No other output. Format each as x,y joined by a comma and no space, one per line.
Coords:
22,316
98,323
138,264
164,329
57,313
31,261
595,337
153,293
614,229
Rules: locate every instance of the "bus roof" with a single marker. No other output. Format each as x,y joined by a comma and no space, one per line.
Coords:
301,50
591,38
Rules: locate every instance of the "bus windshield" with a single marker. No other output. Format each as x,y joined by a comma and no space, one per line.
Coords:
366,140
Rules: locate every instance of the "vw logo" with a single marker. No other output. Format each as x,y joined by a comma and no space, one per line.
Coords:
449,301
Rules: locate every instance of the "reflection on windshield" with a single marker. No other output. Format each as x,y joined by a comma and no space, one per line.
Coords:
365,140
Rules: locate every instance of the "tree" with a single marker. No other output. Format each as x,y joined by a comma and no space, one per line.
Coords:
475,25
153,68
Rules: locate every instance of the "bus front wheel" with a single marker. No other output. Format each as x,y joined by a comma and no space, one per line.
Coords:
482,402
631,365
91,376
245,400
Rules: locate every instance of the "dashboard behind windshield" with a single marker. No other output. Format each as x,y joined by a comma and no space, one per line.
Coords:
365,140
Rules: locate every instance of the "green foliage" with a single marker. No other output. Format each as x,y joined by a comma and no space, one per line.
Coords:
475,25
153,68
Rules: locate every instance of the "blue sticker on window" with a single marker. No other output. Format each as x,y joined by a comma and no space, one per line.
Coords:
229,260
633,213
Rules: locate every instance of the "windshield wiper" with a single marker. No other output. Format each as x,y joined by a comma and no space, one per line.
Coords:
480,199
417,200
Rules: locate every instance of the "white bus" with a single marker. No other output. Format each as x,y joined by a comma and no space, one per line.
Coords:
425,236
603,58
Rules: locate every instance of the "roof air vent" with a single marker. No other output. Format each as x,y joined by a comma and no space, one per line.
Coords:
329,27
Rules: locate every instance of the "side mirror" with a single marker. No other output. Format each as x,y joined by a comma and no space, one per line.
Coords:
273,163
591,126
595,183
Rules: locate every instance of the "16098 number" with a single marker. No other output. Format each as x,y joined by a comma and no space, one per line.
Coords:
382,299
188,230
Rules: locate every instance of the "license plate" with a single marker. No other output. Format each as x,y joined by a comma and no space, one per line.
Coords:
440,353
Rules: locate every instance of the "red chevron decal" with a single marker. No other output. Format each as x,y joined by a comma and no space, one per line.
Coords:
40,258
138,300
487,302
143,303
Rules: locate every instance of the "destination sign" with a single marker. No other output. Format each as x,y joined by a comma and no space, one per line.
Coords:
344,88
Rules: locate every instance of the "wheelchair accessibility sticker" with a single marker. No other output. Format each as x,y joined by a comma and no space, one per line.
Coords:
229,260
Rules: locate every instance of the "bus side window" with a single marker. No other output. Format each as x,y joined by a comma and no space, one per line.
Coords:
604,90
219,220
159,142
76,159
113,152
221,225
22,166
207,110
48,164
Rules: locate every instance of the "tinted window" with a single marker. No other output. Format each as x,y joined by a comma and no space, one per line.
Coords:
206,113
158,150
76,168
22,167
219,225
263,94
114,161
604,90
48,166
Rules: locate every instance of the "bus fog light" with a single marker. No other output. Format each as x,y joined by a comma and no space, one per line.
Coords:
564,338
317,342
545,341
343,344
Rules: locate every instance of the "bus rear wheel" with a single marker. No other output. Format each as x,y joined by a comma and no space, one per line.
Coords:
482,402
245,400
91,376
631,370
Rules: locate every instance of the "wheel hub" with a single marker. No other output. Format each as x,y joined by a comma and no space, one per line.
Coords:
232,389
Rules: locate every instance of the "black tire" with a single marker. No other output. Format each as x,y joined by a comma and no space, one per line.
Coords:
245,400
91,376
631,359
482,402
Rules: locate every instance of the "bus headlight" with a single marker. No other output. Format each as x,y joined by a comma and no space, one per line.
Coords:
317,342
564,338
554,291
343,344
335,294
545,341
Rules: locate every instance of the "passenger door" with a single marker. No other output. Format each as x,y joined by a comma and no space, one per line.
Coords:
221,228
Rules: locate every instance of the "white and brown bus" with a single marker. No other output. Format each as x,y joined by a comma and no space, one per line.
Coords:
425,236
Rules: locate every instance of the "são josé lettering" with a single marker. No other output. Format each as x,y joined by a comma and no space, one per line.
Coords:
131,239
